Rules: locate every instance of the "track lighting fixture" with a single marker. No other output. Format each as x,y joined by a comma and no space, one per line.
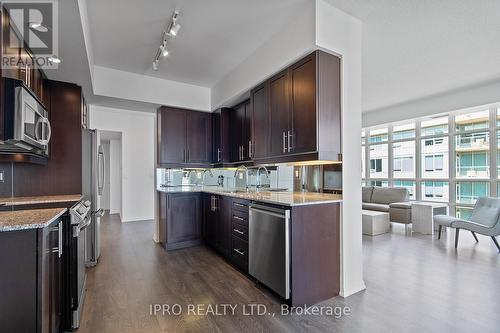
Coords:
172,30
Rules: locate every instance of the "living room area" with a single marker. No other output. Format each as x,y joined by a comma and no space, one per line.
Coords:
445,165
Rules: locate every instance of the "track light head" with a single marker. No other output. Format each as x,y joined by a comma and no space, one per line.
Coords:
174,30
155,65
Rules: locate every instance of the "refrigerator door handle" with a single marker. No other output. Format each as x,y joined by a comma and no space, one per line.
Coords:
100,172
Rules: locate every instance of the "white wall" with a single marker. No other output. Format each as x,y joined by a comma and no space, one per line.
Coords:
115,179
105,191
293,41
138,151
120,84
340,33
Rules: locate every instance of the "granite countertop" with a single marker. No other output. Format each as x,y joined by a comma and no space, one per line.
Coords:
40,200
29,219
280,198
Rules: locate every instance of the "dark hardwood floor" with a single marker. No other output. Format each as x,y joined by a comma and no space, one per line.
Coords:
414,284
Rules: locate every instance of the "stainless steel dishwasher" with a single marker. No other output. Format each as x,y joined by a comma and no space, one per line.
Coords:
269,247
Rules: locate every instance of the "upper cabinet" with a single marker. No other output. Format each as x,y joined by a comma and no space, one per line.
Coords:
296,113
260,121
293,116
184,137
14,48
221,136
240,133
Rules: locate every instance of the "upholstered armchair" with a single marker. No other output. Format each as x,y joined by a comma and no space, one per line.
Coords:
484,220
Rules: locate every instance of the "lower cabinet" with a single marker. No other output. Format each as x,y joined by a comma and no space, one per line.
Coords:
30,282
225,227
181,216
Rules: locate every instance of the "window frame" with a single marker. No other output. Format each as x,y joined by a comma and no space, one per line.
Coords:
493,153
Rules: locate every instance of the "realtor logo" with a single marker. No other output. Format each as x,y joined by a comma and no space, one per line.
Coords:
32,25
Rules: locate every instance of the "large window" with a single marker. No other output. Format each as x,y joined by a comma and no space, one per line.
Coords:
453,158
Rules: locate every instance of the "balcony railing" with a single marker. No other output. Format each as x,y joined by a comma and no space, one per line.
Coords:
473,172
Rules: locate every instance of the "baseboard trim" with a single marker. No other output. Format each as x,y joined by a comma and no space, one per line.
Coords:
351,291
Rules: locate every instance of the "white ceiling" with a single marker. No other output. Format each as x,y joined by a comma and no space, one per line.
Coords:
417,49
216,35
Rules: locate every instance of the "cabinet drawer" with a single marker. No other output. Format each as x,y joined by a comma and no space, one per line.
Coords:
239,254
240,230
241,205
240,217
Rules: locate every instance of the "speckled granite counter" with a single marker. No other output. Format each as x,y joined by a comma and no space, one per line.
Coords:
29,219
280,198
40,200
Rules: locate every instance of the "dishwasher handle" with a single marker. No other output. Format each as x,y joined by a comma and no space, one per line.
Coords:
274,211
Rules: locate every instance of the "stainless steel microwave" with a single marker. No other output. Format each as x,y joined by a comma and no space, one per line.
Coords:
26,126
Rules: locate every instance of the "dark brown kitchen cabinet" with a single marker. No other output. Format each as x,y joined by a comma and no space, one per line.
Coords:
30,283
301,134
180,219
279,112
209,219
240,132
217,223
199,137
304,112
221,136
260,121
22,63
184,137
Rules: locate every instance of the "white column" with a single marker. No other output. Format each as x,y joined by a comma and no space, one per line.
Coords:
340,34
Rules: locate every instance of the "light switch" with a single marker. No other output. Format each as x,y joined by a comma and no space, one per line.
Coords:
2,176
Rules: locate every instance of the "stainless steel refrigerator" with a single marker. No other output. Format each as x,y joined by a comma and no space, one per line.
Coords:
93,181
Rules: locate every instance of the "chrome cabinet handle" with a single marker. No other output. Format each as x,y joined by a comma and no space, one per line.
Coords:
242,153
290,141
239,205
239,252
218,155
238,218
284,142
60,240
59,248
250,148
239,231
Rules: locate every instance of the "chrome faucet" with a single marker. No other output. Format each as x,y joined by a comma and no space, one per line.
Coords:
266,172
238,170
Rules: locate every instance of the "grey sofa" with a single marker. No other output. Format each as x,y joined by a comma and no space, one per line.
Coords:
394,200
485,220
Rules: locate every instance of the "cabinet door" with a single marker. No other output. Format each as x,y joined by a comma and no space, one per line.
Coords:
183,217
247,133
224,225
172,135
11,47
260,121
217,137
199,137
303,106
279,109
209,220
51,278
236,132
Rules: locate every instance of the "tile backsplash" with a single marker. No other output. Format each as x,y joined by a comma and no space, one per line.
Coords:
282,177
